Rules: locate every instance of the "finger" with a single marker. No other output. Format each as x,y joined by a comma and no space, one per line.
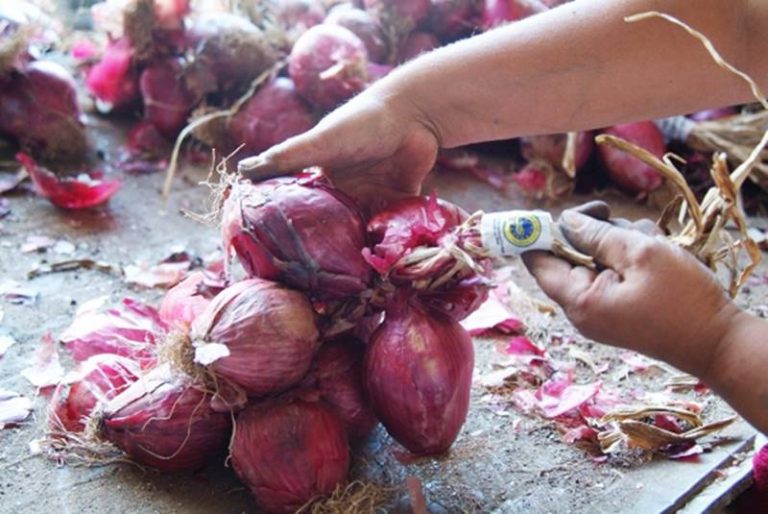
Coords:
596,208
645,226
648,227
557,278
608,244
292,155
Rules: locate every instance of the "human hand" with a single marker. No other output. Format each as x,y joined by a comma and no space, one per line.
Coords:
650,295
376,148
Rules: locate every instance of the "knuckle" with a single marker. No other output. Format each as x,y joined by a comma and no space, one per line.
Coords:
644,252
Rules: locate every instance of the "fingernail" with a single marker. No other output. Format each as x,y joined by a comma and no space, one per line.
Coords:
250,163
572,219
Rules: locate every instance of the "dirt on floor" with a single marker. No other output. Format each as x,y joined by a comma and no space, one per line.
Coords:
502,462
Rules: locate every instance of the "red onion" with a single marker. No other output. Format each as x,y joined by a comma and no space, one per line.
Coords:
167,101
408,224
113,80
337,375
89,189
131,330
402,15
532,179
272,115
184,303
258,335
551,148
497,12
99,379
416,44
229,52
628,172
413,241
289,453
760,469
144,138
366,326
418,374
451,19
363,25
295,17
38,108
298,231
328,65
165,420
461,298
170,13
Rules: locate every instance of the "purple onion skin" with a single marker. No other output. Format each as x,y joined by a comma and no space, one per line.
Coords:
418,374
328,65
272,115
299,232
365,26
39,109
337,375
404,15
169,426
628,172
289,453
270,333
415,44
167,101
452,19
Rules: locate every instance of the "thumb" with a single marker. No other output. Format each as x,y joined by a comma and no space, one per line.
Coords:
607,243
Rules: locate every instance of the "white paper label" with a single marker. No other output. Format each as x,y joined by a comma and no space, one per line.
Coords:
515,232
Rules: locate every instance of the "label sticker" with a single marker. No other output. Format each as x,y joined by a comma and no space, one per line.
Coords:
514,232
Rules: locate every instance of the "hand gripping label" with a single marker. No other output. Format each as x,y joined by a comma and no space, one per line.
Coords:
515,232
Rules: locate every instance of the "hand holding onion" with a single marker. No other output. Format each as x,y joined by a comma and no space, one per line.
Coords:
374,148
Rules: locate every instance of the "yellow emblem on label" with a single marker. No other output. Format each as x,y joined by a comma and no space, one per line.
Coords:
523,230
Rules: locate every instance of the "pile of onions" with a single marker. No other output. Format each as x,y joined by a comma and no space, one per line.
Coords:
418,375
258,335
289,453
298,231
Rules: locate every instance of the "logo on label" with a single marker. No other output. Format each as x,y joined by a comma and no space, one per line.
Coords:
522,230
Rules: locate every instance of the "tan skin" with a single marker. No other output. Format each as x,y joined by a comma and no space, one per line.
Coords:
595,70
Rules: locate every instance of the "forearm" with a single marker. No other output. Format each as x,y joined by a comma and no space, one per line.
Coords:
739,369
581,66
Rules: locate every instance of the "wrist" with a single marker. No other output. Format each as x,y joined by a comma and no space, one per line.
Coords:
727,347
400,101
